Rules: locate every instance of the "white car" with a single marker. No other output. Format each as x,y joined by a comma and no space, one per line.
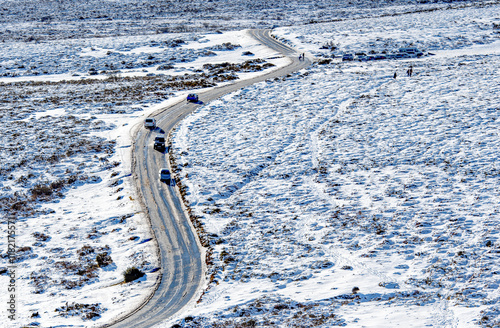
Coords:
165,175
150,123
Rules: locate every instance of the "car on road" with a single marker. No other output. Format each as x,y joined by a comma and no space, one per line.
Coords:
361,56
150,123
159,143
410,52
192,97
165,175
348,57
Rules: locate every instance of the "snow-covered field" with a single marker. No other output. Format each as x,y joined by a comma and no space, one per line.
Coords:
344,196
334,178
34,21
437,30
66,181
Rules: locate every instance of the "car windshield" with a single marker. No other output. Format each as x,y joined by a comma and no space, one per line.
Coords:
165,171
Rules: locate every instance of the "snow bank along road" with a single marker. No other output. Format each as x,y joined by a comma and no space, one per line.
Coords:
181,255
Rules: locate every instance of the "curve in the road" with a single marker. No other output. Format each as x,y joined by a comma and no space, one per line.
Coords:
180,251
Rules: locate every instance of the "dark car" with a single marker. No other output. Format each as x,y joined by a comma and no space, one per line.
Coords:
347,57
165,175
159,143
192,97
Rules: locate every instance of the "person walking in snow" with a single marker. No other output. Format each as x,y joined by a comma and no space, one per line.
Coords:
395,75
409,72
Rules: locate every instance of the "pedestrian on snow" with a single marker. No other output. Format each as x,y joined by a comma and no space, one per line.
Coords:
395,75
409,72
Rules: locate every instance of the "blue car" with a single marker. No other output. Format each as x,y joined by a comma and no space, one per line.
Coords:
192,97
165,175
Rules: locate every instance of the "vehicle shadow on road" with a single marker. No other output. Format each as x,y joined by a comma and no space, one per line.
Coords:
171,182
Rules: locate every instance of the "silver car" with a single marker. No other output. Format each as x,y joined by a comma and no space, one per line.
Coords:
150,123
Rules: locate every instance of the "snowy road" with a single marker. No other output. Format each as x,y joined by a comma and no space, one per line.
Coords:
181,254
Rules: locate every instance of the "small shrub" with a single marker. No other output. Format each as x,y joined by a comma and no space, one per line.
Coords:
58,185
165,67
174,43
209,54
20,206
85,311
103,259
132,274
324,61
225,46
249,323
329,45
24,249
40,236
85,250
41,191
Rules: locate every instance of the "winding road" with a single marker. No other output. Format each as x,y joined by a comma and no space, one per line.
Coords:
181,254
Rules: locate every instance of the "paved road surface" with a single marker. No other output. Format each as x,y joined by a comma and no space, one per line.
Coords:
182,262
